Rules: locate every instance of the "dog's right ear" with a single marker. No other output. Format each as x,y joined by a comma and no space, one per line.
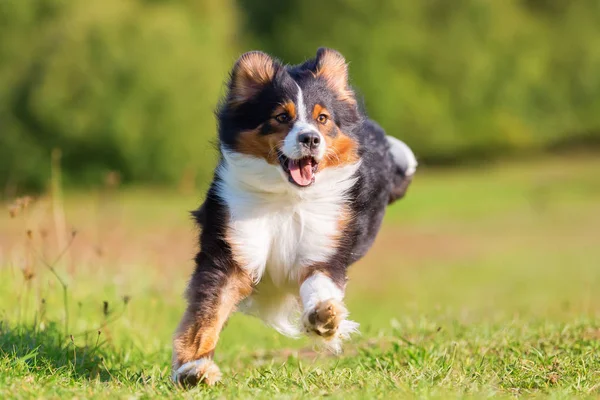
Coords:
251,73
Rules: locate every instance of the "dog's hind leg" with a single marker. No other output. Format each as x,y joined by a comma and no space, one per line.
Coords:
213,294
325,314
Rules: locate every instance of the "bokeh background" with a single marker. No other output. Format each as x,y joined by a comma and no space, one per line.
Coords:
130,86
484,280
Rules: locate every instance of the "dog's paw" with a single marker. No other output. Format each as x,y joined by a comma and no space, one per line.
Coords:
192,373
325,318
328,321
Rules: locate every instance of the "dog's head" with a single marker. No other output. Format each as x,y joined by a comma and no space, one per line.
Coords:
299,119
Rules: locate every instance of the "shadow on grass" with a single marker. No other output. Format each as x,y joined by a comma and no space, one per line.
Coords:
47,351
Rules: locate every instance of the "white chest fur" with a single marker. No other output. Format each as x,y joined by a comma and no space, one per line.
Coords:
275,228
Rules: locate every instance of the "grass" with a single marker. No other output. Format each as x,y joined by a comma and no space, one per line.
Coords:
483,282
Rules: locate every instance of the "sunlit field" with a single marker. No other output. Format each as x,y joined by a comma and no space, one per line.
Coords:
484,281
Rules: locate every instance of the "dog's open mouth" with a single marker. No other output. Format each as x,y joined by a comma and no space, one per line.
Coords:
300,172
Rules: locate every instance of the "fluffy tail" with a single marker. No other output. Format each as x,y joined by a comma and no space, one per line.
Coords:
406,165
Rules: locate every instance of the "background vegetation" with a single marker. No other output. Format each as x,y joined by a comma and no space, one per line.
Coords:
483,282
130,86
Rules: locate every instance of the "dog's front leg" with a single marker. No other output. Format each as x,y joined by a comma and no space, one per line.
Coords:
213,293
324,313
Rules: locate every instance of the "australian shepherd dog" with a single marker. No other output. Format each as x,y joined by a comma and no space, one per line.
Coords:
299,193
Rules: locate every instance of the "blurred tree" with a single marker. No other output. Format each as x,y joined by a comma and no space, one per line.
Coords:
131,85
116,85
459,80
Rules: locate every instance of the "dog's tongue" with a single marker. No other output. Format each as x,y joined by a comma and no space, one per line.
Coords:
301,171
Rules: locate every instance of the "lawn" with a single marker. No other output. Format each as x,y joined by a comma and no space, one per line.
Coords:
483,282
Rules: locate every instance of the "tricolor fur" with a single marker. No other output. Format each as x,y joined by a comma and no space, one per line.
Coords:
298,196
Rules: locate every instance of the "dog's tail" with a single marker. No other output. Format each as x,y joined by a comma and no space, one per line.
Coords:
405,167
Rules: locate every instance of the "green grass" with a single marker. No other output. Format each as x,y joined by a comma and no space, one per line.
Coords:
483,282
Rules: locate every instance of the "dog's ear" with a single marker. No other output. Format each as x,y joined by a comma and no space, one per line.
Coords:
331,66
251,73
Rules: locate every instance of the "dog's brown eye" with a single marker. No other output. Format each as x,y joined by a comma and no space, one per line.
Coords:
283,118
322,119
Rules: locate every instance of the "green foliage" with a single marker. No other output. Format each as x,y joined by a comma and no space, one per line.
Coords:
127,86
130,86
468,78
491,292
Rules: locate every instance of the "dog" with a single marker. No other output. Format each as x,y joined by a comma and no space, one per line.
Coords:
299,194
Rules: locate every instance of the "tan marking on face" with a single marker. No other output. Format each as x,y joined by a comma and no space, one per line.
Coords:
340,148
288,107
250,74
318,110
265,146
199,330
259,145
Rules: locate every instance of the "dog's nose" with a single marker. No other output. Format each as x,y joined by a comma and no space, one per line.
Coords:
309,139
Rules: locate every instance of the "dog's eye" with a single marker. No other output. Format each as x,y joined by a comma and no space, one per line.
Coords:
322,119
283,118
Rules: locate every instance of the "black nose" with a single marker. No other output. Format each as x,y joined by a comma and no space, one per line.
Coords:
309,139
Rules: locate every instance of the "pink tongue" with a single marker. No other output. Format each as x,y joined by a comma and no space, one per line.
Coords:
301,171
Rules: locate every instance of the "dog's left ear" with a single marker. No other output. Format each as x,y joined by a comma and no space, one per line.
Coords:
331,66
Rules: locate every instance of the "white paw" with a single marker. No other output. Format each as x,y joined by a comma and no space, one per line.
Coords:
194,372
328,321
